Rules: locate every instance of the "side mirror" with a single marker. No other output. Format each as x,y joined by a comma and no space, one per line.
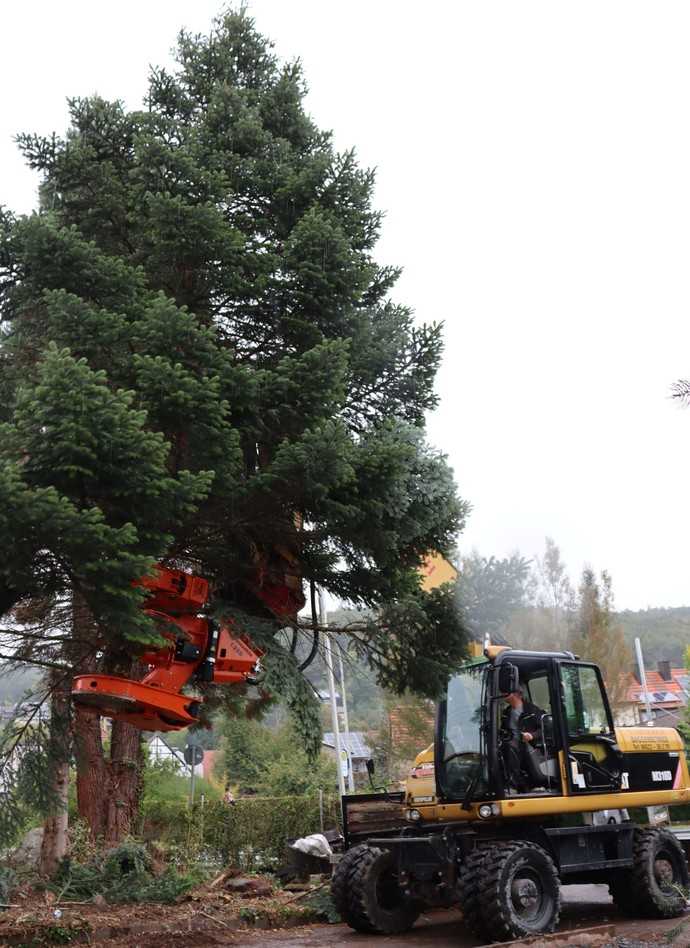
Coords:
508,679
370,767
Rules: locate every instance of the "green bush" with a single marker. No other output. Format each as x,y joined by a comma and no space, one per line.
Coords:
252,832
290,775
321,901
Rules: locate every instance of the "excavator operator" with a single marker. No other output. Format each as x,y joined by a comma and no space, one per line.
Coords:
521,726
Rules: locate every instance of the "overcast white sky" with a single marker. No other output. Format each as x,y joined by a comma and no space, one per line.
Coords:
534,164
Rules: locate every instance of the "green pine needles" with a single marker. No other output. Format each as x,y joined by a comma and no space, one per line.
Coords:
122,874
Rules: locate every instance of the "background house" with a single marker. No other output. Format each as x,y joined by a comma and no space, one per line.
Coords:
668,690
160,751
360,751
407,728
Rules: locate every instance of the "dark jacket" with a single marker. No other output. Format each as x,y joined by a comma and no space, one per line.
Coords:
521,770
529,720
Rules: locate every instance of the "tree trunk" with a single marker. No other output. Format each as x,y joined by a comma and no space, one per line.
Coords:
124,782
108,781
55,844
108,787
91,772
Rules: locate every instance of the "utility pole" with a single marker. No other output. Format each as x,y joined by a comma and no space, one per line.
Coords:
323,621
350,773
643,681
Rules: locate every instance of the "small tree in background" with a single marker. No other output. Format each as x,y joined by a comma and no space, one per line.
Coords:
544,619
554,592
246,746
598,638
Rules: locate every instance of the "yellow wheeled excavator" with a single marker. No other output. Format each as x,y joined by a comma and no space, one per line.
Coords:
528,788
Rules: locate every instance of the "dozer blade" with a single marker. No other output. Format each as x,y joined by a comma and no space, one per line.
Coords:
144,706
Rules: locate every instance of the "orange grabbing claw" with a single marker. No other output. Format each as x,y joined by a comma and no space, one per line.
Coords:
195,648
145,706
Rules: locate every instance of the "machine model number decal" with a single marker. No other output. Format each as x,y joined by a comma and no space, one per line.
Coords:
659,776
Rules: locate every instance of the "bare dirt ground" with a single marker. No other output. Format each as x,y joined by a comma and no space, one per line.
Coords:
37,919
221,920
584,906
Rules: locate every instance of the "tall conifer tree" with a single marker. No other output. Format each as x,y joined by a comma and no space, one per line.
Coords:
200,361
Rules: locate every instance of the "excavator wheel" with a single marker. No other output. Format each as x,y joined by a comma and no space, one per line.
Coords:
367,894
340,888
519,891
659,874
469,881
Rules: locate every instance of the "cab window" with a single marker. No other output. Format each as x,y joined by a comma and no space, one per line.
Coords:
539,693
585,710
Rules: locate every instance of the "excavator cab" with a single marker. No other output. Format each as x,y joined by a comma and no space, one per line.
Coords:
562,742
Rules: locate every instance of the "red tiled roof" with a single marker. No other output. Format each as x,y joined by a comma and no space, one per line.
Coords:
659,685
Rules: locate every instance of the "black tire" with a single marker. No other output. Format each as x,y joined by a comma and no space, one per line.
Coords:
659,874
368,891
519,891
340,887
469,881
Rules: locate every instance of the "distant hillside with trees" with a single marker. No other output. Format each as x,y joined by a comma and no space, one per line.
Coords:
664,633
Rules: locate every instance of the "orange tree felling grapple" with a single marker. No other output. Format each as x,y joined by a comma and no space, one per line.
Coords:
197,648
